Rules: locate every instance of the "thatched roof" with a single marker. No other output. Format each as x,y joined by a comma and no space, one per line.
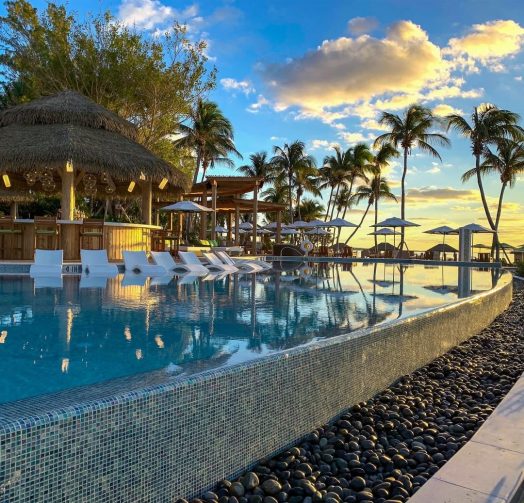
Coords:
442,248
48,133
68,107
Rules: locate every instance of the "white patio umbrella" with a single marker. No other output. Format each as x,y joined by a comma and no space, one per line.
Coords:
475,229
247,226
339,223
384,232
289,232
318,232
273,226
395,222
186,207
264,231
300,224
317,223
220,230
443,230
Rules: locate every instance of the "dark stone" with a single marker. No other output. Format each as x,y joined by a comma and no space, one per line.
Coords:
271,487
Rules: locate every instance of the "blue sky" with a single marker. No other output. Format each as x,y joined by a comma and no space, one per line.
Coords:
322,71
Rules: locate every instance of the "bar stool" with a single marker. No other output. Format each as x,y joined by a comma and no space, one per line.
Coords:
92,231
47,233
10,239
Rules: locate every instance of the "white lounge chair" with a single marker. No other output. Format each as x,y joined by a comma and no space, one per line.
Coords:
216,263
165,260
134,279
162,280
95,263
261,264
137,262
191,263
48,281
187,279
246,265
48,264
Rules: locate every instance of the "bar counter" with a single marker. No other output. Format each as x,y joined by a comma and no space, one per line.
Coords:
117,238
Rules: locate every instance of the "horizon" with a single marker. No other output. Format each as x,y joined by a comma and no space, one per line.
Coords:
322,75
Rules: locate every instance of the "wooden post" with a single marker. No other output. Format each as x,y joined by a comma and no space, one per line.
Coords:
255,218
68,194
279,227
214,206
203,215
13,210
237,223
147,202
229,225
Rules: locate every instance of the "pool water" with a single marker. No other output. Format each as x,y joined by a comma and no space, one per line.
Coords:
74,334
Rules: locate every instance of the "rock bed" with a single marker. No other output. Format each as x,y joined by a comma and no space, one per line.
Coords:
383,450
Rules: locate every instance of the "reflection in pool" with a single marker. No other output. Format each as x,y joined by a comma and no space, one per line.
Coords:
63,336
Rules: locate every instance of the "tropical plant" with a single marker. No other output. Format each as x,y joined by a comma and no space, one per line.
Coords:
288,161
407,132
306,180
151,81
209,136
260,167
507,162
489,125
277,194
310,209
375,190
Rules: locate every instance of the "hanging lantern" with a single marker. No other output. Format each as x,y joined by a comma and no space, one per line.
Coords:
69,166
163,184
142,176
89,181
131,186
7,181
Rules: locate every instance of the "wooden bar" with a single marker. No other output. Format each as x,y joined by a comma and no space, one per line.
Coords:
117,238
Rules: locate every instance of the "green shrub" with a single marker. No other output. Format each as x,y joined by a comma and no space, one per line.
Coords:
520,269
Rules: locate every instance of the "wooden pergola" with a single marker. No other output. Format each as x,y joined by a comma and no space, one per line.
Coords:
224,192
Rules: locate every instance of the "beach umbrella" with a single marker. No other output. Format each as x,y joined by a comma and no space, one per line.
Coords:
273,226
300,224
395,222
507,246
442,248
339,222
220,230
317,232
246,226
475,228
264,231
384,232
186,207
443,230
289,232
317,223
481,246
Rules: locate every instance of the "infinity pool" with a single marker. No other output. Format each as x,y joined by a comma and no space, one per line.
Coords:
59,337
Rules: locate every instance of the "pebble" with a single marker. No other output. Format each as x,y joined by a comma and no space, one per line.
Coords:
385,449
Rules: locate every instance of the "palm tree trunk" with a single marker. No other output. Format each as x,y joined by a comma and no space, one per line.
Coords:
329,203
334,202
496,242
290,193
298,204
376,220
197,168
403,196
482,194
360,224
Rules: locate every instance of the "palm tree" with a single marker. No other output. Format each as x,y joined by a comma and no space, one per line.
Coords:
278,194
507,163
380,161
408,132
378,188
210,136
489,126
260,167
310,209
288,160
306,180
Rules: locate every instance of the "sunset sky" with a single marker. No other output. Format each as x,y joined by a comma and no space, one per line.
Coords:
321,71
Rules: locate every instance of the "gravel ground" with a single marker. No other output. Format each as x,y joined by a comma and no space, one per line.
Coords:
384,449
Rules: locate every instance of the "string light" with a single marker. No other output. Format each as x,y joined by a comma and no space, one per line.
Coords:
142,176
131,186
69,166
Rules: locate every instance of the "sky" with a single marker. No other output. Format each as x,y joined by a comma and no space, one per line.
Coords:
322,71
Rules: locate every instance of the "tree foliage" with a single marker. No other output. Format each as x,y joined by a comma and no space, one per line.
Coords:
152,82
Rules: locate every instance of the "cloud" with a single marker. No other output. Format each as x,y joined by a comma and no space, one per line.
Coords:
488,43
148,14
439,195
323,145
373,124
243,86
442,110
433,171
361,25
352,138
261,102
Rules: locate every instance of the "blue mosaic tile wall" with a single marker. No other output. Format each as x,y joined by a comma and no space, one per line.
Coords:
178,437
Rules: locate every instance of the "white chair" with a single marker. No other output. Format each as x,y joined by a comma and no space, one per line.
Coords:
216,263
48,281
187,278
137,262
161,280
191,263
95,263
134,279
48,264
165,260
254,264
